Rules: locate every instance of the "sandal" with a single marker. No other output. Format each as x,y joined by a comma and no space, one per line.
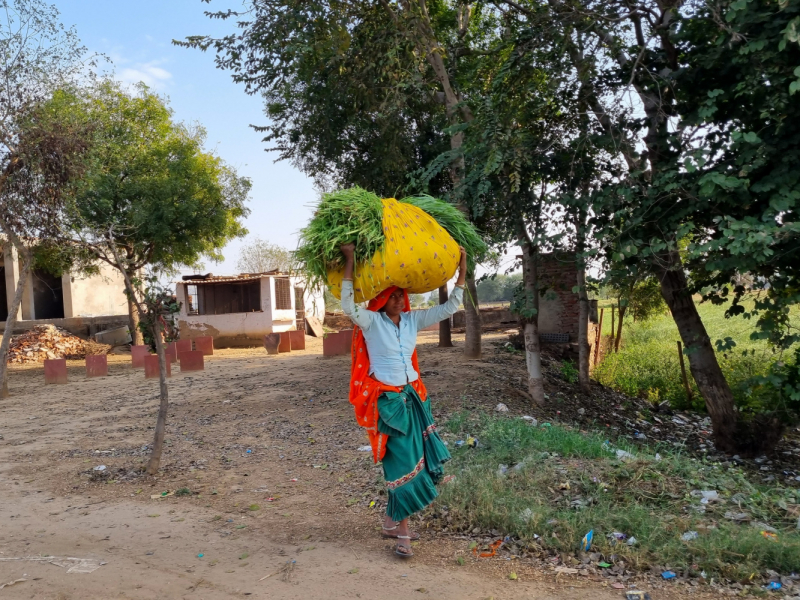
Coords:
404,551
414,536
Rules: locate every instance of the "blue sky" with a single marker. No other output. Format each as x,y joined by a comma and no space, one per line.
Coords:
137,37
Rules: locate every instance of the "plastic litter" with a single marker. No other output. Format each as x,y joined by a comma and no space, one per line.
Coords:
631,541
689,536
770,536
492,549
472,442
624,455
604,565
586,543
668,575
365,448
201,555
249,451
526,515
774,585
639,436
501,407
532,420
636,595
546,425
502,470
294,480
459,443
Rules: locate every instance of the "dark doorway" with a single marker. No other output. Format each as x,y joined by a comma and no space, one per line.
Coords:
3,295
48,295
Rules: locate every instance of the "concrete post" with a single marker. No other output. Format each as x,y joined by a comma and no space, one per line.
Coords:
11,264
66,287
28,308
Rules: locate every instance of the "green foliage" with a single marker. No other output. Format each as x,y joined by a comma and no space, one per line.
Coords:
166,200
498,288
647,364
644,300
350,102
645,497
569,372
157,300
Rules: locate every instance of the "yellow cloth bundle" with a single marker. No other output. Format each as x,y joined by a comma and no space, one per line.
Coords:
419,256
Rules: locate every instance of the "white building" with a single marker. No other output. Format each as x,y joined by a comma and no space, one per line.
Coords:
46,297
239,310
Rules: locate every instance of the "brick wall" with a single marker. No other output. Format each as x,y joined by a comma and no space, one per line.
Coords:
558,304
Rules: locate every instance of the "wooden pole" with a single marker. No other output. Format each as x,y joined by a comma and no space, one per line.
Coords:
613,329
683,373
599,337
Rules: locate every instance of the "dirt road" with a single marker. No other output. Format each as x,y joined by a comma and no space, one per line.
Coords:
274,498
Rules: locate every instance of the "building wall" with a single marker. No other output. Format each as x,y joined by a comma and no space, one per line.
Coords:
96,295
559,311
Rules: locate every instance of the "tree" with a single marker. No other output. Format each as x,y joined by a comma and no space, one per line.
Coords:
357,98
43,140
688,158
152,188
259,256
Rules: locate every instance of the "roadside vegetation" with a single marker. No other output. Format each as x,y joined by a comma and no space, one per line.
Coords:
647,364
549,485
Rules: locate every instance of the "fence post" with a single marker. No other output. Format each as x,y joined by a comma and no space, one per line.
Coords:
599,336
683,373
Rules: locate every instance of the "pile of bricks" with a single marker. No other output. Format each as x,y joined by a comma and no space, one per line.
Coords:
48,342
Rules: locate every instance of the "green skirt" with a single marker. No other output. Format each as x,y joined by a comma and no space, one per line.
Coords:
415,454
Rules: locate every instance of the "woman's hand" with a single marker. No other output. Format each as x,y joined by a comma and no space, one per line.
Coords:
462,268
348,251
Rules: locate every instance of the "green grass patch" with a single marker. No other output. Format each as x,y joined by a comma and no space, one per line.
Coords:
561,483
647,365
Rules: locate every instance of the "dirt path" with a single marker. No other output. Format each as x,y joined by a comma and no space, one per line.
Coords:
266,452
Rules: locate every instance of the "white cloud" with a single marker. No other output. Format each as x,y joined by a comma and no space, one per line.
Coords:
150,73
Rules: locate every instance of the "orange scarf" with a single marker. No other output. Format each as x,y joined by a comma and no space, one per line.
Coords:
365,390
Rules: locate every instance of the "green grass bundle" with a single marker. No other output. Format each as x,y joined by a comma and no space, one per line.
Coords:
356,215
351,215
454,222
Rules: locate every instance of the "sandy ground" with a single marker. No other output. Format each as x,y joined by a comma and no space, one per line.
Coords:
278,497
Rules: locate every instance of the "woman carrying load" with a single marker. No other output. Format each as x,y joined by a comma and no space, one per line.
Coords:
390,400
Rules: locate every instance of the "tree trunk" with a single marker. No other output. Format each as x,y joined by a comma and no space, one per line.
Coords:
702,360
161,422
584,351
445,337
137,338
622,310
472,343
11,320
533,353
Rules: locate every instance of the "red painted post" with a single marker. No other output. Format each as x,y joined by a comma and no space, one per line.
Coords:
204,344
337,344
151,369
183,346
298,339
286,342
191,361
137,356
96,365
55,370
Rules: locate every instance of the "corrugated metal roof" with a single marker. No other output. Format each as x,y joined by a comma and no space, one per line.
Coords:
241,277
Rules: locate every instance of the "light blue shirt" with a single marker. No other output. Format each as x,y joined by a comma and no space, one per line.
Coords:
390,346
